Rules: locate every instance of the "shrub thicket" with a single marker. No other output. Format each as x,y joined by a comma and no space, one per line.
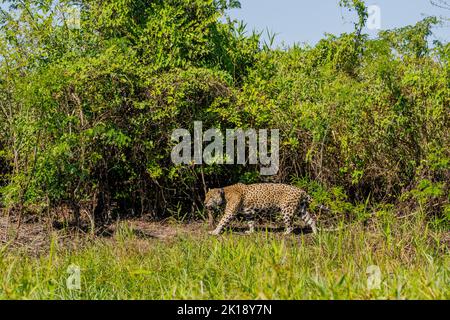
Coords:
86,113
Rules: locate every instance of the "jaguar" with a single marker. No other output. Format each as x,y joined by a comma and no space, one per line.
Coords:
260,198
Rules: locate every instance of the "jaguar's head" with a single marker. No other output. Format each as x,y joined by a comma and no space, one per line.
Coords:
214,198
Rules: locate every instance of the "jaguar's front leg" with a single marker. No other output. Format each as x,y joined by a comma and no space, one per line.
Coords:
231,210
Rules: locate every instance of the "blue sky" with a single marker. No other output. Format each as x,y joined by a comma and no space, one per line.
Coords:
306,21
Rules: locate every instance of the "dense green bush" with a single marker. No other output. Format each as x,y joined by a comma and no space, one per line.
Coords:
87,113
373,129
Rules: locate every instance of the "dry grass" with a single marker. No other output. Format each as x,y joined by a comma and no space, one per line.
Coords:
147,260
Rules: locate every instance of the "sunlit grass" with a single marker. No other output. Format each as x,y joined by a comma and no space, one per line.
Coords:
413,261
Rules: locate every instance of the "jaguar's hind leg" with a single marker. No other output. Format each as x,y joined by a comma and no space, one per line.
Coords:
287,213
307,218
249,215
251,227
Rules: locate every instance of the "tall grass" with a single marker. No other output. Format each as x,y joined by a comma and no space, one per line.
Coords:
413,260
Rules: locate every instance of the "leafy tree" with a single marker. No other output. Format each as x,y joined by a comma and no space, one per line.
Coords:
87,112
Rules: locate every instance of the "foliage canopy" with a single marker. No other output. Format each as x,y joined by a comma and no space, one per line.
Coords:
88,104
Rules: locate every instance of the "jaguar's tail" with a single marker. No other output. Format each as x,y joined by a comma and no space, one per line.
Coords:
308,219
319,206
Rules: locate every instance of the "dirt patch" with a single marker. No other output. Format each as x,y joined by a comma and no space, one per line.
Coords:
162,230
34,236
